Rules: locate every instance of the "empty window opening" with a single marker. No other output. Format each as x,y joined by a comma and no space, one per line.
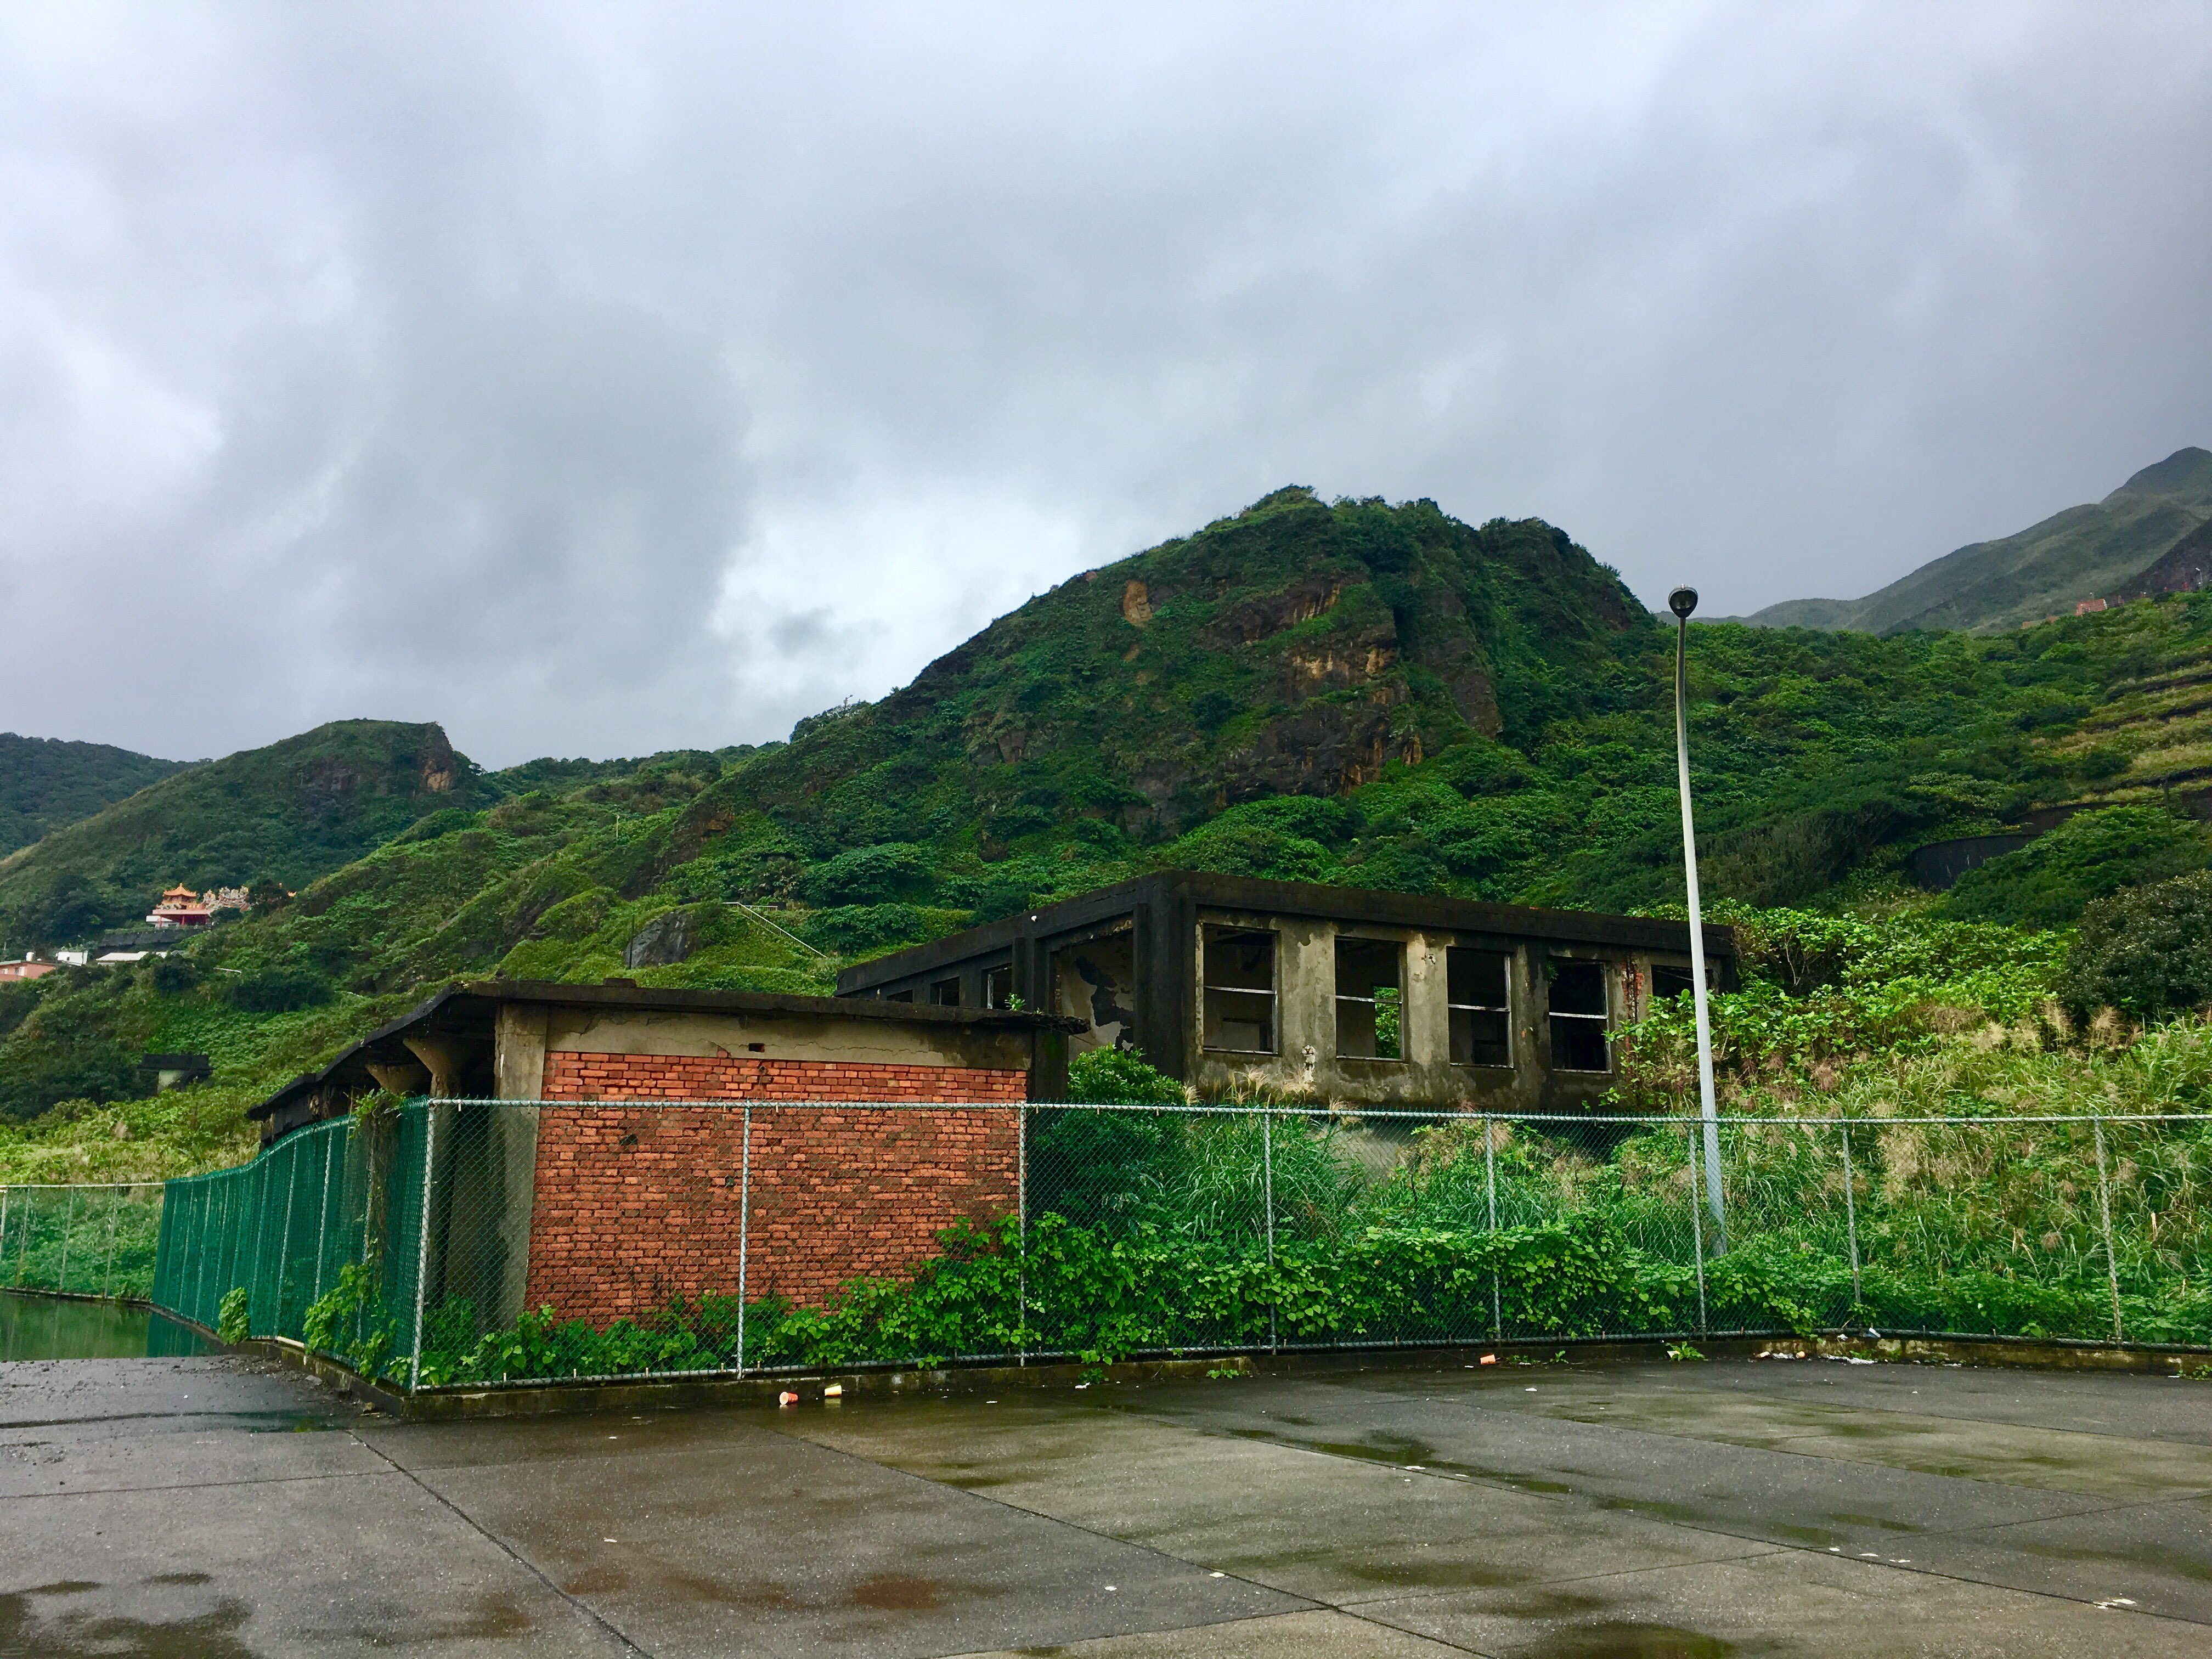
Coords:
906,995
1239,979
1481,1011
999,986
1369,1009
1578,1017
1096,981
946,994
1672,979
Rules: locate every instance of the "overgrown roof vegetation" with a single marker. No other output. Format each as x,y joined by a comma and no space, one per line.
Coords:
1346,692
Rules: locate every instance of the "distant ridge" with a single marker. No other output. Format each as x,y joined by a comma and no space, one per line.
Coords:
2095,551
288,813
46,782
2182,568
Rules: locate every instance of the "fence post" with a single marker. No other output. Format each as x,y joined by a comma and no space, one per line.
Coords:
323,1211
1021,1230
69,1221
114,1205
1851,1220
2104,1204
199,1250
745,1229
1268,1162
23,1249
1698,1234
423,1239
1490,1180
284,1240
7,1197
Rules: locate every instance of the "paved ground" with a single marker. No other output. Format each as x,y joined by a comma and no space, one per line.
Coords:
204,1508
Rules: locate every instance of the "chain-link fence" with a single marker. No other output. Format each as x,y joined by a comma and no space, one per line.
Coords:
91,1240
466,1242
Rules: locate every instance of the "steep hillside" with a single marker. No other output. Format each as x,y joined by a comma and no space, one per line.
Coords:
1346,692
2091,551
287,813
46,783
2182,568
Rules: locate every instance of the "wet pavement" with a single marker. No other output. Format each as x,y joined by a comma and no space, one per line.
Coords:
218,1506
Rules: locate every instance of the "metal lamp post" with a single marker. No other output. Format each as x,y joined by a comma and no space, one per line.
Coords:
1682,601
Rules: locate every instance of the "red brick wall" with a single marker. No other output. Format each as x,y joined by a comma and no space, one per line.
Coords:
637,1204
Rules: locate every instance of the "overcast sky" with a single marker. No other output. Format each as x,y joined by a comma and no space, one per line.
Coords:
601,379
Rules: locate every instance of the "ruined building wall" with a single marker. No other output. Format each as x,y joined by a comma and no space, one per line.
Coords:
636,1204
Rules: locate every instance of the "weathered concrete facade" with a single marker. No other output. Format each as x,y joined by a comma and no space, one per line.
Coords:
507,1039
1341,995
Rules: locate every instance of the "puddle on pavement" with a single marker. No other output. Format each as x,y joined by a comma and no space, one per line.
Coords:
45,1621
2154,1557
1623,1640
54,1327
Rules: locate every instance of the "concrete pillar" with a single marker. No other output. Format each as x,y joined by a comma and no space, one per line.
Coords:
401,1076
445,1058
519,1051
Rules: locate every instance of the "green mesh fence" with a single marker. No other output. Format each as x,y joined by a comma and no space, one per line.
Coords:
91,1240
467,1242
317,1240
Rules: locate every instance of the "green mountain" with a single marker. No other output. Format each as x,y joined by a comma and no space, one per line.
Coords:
1345,691
2182,568
2091,551
46,783
286,814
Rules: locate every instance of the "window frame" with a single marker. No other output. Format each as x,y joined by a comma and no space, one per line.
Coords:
1207,1024
1373,1004
999,987
938,989
1602,1020
1452,1009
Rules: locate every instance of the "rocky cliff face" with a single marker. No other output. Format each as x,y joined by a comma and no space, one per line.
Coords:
2182,568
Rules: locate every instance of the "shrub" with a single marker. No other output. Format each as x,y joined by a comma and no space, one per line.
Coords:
2147,951
854,930
869,875
2047,883
279,988
232,1320
1120,1077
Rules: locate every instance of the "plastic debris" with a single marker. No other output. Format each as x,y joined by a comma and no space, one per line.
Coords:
787,1398
834,1391
1488,1360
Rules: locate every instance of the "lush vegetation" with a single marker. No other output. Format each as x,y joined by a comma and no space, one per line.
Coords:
1990,1129
285,814
1472,1232
1345,692
46,782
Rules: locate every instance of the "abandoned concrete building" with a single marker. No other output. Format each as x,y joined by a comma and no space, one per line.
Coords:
1333,994
599,1201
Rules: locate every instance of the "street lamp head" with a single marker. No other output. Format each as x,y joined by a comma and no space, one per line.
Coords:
1682,601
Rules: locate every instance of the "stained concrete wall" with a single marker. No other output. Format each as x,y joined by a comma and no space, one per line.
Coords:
1306,1062
783,1037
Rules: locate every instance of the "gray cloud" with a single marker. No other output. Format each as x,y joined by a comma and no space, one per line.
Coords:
599,380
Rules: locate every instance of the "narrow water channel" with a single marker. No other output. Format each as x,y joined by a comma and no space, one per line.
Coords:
53,1327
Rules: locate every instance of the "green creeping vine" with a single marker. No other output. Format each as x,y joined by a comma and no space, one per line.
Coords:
350,1321
232,1320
